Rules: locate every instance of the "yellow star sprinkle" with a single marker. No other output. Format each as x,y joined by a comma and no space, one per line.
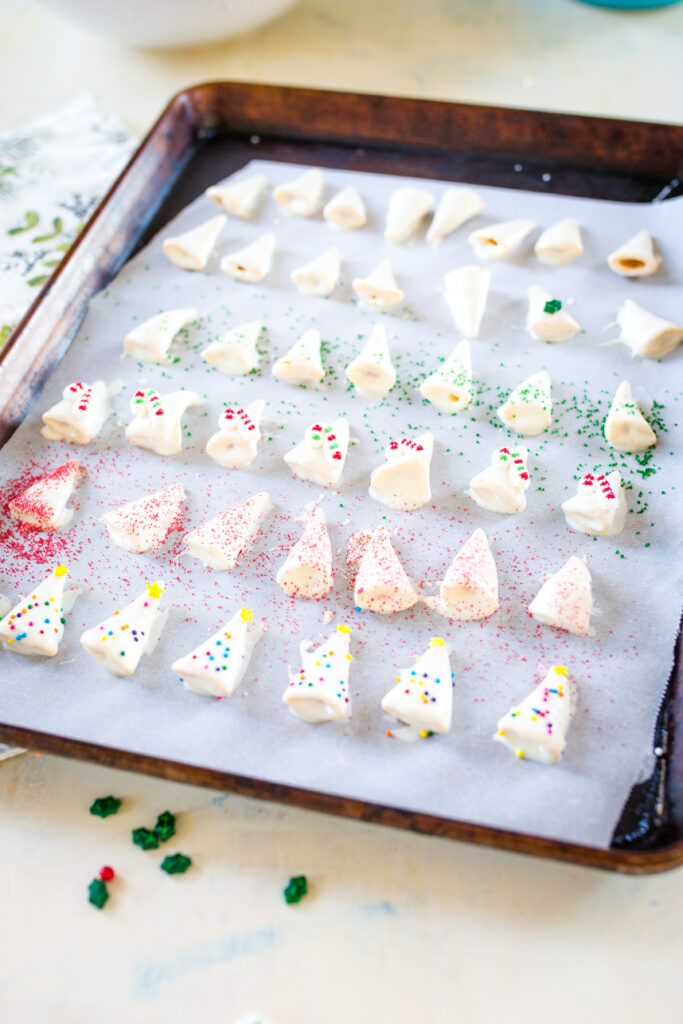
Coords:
154,589
246,615
343,629
436,641
61,570
519,753
501,732
423,734
560,669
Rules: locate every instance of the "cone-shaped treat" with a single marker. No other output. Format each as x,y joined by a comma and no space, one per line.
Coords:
537,728
144,525
303,363
547,318
236,443
79,416
647,334
307,572
252,263
240,198
119,642
408,206
565,600
450,387
372,371
599,507
467,289
217,667
35,626
301,197
235,351
319,692
499,241
5,605
501,486
320,276
220,542
422,698
635,258
528,410
402,481
156,423
42,506
191,250
321,456
381,581
456,207
151,340
625,427
378,290
346,210
469,590
560,243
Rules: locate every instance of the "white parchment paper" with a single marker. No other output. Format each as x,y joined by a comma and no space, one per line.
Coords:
621,672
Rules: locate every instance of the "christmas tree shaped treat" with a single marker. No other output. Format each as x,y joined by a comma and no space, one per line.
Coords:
346,210
560,243
422,698
191,250
119,642
537,728
635,258
469,590
381,581
301,197
500,241
303,363
156,421
35,626
647,334
565,600
235,351
220,542
144,524
239,198
217,667
450,387
378,290
528,409
456,207
42,506
501,486
402,481
321,456
547,319
151,340
252,263
236,443
599,506
320,276
80,414
307,571
408,206
372,371
626,429
467,290
319,692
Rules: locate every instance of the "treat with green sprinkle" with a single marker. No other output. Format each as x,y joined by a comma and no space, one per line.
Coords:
297,888
176,864
145,838
165,826
552,306
105,805
97,893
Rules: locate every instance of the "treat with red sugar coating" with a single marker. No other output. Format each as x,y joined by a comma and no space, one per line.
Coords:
236,443
381,581
156,422
42,506
80,414
321,456
402,481
220,542
469,590
144,525
565,600
35,626
217,667
319,691
307,572
119,642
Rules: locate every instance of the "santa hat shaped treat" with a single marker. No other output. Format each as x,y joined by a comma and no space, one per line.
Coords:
42,506
252,263
80,414
236,443
500,241
119,642
501,486
537,728
220,542
378,290
456,207
408,206
319,692
450,387
372,371
144,525
303,363
156,421
301,197
547,319
321,456
346,210
560,243
239,198
469,590
319,277
647,334
217,667
528,409
191,250
381,582
307,571
422,698
235,351
467,289
626,429
599,506
35,625
565,600
151,340
402,482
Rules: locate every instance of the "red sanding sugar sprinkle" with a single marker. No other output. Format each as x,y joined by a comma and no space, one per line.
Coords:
18,541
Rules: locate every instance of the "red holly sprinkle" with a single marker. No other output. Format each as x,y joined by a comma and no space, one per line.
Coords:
106,874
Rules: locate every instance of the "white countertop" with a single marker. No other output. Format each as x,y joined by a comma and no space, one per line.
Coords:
397,927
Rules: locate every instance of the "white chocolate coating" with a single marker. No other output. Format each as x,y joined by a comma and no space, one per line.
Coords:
221,542
499,241
599,506
156,424
467,290
346,210
501,486
319,277
647,334
546,326
456,207
80,414
537,728
35,625
381,582
307,571
423,695
239,198
119,642
42,506
450,387
626,429
236,351
5,605
402,481
151,340
319,692
303,363
191,250
301,197
144,525
408,206
565,600
217,667
236,443
378,290
372,371
252,263
528,409
635,258
321,456
469,590
561,243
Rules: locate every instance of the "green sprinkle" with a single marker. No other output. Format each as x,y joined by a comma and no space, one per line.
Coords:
145,838
165,826
177,864
297,888
552,306
97,893
105,805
